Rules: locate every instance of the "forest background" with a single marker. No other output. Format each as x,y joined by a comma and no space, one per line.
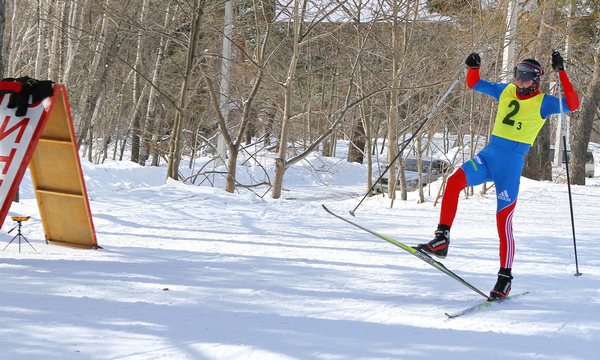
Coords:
156,77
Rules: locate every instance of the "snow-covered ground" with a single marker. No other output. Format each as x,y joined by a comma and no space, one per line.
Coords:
193,272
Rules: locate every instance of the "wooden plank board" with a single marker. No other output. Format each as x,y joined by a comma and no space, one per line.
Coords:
58,179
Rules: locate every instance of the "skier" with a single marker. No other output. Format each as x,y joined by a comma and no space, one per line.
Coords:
522,111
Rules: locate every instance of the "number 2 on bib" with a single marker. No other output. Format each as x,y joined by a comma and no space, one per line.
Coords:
515,106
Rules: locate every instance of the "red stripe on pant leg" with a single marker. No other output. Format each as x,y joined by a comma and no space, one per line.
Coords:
456,183
505,234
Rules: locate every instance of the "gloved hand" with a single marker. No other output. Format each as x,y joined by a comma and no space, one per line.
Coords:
473,61
42,90
38,90
557,61
20,100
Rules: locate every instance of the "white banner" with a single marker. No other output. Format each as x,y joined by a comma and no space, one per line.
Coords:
18,138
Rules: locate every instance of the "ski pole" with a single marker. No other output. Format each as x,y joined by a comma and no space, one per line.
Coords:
427,118
566,161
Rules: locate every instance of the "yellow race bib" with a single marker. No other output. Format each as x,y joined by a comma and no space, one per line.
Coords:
518,120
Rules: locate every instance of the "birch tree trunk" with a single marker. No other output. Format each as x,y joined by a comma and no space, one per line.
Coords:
136,118
15,45
54,55
76,17
41,22
367,125
149,138
91,89
392,125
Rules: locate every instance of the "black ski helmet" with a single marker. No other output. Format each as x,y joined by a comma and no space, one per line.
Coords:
526,70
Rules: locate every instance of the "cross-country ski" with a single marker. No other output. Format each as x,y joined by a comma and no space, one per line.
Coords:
428,259
483,305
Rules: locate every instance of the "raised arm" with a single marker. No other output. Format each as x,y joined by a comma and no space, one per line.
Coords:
473,62
571,97
474,82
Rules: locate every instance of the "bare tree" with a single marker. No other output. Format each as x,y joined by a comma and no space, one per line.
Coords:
98,72
176,134
313,75
136,121
581,126
392,123
42,22
282,161
149,135
538,164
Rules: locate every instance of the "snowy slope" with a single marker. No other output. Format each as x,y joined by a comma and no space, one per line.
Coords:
191,272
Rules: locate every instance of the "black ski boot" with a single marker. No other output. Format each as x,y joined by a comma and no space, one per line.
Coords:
502,288
439,245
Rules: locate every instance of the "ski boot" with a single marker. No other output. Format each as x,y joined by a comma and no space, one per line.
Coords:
502,287
439,245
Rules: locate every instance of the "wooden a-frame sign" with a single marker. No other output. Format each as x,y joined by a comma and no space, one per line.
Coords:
44,139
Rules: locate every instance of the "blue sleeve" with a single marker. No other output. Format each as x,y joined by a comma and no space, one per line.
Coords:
491,89
551,106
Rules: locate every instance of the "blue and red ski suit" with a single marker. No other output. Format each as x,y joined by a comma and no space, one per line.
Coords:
518,121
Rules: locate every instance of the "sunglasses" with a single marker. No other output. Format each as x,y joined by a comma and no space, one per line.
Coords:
525,73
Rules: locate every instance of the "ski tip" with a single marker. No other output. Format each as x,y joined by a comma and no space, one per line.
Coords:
450,316
352,213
